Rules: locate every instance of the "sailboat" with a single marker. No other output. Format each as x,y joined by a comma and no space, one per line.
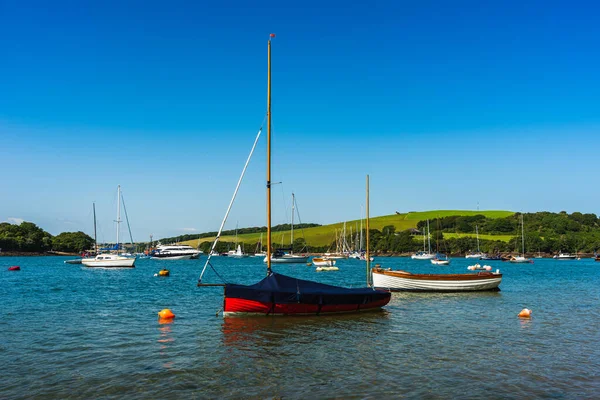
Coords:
279,294
424,255
259,251
238,252
478,254
521,259
439,259
279,257
107,260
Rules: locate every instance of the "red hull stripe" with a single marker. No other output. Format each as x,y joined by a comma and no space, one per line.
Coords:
236,305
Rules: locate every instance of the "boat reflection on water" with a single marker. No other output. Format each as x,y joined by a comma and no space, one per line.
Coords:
252,332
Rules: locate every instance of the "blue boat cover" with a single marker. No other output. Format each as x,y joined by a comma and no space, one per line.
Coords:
281,289
112,247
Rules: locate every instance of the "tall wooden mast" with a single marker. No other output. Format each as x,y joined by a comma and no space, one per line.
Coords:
367,252
269,156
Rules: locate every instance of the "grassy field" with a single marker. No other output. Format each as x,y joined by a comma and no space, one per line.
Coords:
325,235
502,238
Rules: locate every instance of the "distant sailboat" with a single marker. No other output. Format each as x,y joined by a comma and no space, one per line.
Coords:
111,260
478,254
439,259
280,257
238,252
424,255
521,259
259,251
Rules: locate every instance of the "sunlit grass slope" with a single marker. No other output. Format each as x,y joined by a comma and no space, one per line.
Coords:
325,235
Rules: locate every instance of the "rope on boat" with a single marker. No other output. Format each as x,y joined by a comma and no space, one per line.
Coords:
230,204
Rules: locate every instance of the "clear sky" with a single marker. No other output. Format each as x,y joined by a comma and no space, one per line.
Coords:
446,105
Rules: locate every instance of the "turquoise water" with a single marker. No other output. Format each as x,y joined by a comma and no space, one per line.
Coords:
73,332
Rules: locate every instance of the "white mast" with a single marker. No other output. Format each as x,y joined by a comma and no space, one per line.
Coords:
477,235
428,239
292,234
118,221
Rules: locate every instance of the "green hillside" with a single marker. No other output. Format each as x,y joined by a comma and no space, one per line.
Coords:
325,235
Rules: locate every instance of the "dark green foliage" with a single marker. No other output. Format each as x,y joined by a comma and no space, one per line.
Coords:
74,242
26,237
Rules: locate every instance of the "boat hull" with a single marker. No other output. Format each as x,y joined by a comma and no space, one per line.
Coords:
173,257
404,281
278,294
237,306
475,256
423,256
128,263
322,262
521,260
288,260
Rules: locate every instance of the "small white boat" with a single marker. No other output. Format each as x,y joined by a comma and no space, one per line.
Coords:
405,281
520,260
333,268
284,258
440,259
565,256
238,253
422,255
336,256
476,255
323,262
109,261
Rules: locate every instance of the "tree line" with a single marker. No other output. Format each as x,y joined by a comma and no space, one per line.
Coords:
545,232
28,237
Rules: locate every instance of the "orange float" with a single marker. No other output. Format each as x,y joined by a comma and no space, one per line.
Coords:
525,313
166,314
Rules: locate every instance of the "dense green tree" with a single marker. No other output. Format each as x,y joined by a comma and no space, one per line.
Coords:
72,242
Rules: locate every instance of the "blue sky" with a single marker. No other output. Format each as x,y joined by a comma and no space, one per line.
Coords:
445,104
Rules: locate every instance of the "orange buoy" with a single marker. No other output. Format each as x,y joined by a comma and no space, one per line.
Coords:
525,313
166,314
163,272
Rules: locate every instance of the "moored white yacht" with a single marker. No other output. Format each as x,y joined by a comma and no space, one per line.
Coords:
175,252
109,261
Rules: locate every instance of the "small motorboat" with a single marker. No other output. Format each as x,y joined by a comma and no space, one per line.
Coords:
323,262
14,268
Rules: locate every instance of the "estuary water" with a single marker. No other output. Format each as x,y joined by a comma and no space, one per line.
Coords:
81,333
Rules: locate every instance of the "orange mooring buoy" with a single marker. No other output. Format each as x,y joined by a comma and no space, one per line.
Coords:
166,314
525,313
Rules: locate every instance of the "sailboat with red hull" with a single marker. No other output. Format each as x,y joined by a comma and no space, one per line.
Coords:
279,294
